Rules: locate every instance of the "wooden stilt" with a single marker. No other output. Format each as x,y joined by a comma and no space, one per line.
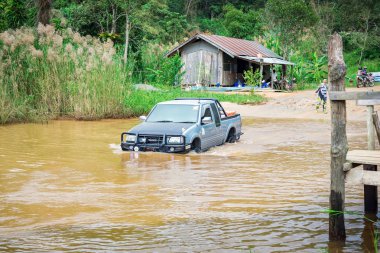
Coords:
370,127
271,75
370,191
376,122
339,147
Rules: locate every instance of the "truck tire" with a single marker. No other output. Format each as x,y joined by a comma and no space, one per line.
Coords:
231,136
196,145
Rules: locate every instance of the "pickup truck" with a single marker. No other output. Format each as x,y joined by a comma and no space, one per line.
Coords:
181,125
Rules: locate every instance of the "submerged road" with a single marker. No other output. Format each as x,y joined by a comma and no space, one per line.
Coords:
67,186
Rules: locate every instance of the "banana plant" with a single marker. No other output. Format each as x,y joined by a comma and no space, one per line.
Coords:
317,68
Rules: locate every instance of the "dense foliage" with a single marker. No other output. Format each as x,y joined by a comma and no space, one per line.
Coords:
296,29
40,75
48,73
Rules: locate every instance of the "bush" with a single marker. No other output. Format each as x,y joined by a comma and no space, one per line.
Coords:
159,69
252,78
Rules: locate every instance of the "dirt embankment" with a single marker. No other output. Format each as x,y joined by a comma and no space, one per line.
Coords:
298,105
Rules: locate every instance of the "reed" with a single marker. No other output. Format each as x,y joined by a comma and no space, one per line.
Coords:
45,74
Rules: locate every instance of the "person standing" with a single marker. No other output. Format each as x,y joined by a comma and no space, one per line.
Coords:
322,95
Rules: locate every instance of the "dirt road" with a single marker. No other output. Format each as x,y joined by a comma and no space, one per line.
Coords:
298,105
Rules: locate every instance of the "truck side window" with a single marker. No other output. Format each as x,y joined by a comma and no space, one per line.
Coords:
207,113
215,112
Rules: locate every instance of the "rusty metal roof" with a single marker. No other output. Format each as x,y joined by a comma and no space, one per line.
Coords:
231,46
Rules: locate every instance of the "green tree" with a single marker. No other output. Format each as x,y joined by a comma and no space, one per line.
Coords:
94,17
358,21
241,24
215,26
174,27
289,19
16,13
159,24
44,11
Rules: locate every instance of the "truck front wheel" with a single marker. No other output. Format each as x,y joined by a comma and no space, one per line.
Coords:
196,145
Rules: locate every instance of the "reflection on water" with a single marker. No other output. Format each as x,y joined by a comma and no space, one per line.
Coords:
67,186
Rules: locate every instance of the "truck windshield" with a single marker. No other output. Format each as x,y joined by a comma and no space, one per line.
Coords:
174,113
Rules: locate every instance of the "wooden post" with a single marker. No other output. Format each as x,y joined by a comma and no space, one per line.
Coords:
370,191
271,76
376,122
339,147
291,76
283,70
220,67
370,127
200,65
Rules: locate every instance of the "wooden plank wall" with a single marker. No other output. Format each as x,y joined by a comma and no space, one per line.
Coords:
200,63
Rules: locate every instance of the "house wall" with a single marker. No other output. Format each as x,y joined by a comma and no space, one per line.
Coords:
201,63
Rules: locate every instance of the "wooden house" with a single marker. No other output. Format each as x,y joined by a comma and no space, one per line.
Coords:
213,59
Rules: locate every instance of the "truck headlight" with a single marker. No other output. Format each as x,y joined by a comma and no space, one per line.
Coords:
130,138
174,140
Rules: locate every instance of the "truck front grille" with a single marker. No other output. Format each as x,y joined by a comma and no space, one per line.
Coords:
150,139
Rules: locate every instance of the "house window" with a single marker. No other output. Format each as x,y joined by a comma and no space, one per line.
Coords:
227,66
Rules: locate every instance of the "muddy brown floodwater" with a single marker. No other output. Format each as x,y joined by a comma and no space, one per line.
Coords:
67,186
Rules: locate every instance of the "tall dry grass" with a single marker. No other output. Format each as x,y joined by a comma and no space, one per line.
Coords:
46,74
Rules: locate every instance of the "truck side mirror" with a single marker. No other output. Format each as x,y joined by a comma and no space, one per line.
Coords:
206,120
142,118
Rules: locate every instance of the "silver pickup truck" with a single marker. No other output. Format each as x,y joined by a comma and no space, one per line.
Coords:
181,125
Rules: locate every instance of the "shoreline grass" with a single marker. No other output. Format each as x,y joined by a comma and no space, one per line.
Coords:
139,102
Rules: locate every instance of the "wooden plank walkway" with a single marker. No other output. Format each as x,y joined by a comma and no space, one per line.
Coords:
364,157
356,158
359,176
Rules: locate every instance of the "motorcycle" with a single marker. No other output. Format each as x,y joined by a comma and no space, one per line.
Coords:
284,84
365,81
290,85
